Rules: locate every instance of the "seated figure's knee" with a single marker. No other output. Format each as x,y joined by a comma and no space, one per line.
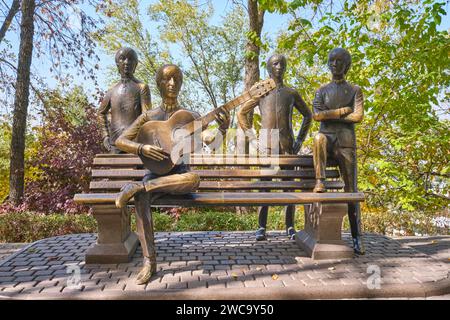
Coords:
194,178
320,139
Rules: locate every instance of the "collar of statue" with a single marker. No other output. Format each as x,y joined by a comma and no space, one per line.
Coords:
127,79
169,107
339,81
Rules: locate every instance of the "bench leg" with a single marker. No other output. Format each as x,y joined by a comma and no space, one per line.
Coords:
116,243
321,238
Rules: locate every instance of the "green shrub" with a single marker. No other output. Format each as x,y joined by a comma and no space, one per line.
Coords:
29,226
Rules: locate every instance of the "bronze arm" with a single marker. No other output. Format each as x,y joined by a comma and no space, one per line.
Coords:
125,141
301,106
321,115
358,113
243,112
146,101
105,106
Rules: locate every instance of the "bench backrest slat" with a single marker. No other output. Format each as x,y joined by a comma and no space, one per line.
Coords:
230,185
217,173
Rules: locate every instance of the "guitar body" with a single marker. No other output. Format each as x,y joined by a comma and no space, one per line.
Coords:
164,135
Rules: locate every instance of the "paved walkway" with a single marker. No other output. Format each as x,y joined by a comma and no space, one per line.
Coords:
6,249
229,265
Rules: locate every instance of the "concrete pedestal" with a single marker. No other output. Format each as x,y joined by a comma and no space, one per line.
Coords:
321,238
115,243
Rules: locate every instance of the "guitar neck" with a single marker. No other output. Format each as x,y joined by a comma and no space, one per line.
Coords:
211,116
230,105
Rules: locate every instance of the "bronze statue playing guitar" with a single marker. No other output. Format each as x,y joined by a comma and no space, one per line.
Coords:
157,132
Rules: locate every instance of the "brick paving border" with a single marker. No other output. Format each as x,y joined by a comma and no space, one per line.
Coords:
224,265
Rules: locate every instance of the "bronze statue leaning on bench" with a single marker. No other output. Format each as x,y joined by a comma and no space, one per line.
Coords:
338,105
125,101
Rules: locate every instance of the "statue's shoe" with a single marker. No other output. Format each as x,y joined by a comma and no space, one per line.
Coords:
291,233
146,273
319,187
127,192
260,234
358,246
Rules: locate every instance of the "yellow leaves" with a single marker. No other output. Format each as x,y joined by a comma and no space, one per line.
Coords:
331,268
275,277
434,242
234,275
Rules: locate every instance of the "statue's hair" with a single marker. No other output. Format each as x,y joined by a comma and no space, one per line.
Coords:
347,57
277,55
159,74
126,51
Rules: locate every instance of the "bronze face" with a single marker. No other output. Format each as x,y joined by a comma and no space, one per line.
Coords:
169,80
276,66
339,61
126,61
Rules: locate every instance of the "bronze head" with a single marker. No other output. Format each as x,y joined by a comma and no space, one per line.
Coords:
339,62
126,61
276,66
169,79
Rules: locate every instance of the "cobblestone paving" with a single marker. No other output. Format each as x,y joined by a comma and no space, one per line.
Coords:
6,249
213,260
437,247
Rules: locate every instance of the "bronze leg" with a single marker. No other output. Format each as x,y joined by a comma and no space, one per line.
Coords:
347,166
320,160
289,211
262,216
174,183
144,224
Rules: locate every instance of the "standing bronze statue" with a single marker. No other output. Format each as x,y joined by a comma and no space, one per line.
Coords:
276,114
125,101
338,105
169,79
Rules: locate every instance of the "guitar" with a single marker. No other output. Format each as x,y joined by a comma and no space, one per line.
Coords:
171,135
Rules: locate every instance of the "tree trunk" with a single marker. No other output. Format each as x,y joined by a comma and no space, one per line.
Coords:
16,177
256,20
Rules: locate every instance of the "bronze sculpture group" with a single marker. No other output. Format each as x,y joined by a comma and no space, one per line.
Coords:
135,127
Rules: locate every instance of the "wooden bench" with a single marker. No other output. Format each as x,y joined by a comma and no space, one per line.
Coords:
226,180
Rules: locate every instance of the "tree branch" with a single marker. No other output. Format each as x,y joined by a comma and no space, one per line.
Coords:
15,7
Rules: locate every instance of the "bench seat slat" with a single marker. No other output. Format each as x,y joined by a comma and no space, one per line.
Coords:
232,185
232,198
219,173
300,161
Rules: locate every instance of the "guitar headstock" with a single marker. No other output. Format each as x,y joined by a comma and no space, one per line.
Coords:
261,88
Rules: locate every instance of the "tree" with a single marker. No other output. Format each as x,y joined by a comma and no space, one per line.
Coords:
56,34
16,181
253,46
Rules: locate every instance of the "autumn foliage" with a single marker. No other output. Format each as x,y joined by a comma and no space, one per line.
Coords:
62,157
